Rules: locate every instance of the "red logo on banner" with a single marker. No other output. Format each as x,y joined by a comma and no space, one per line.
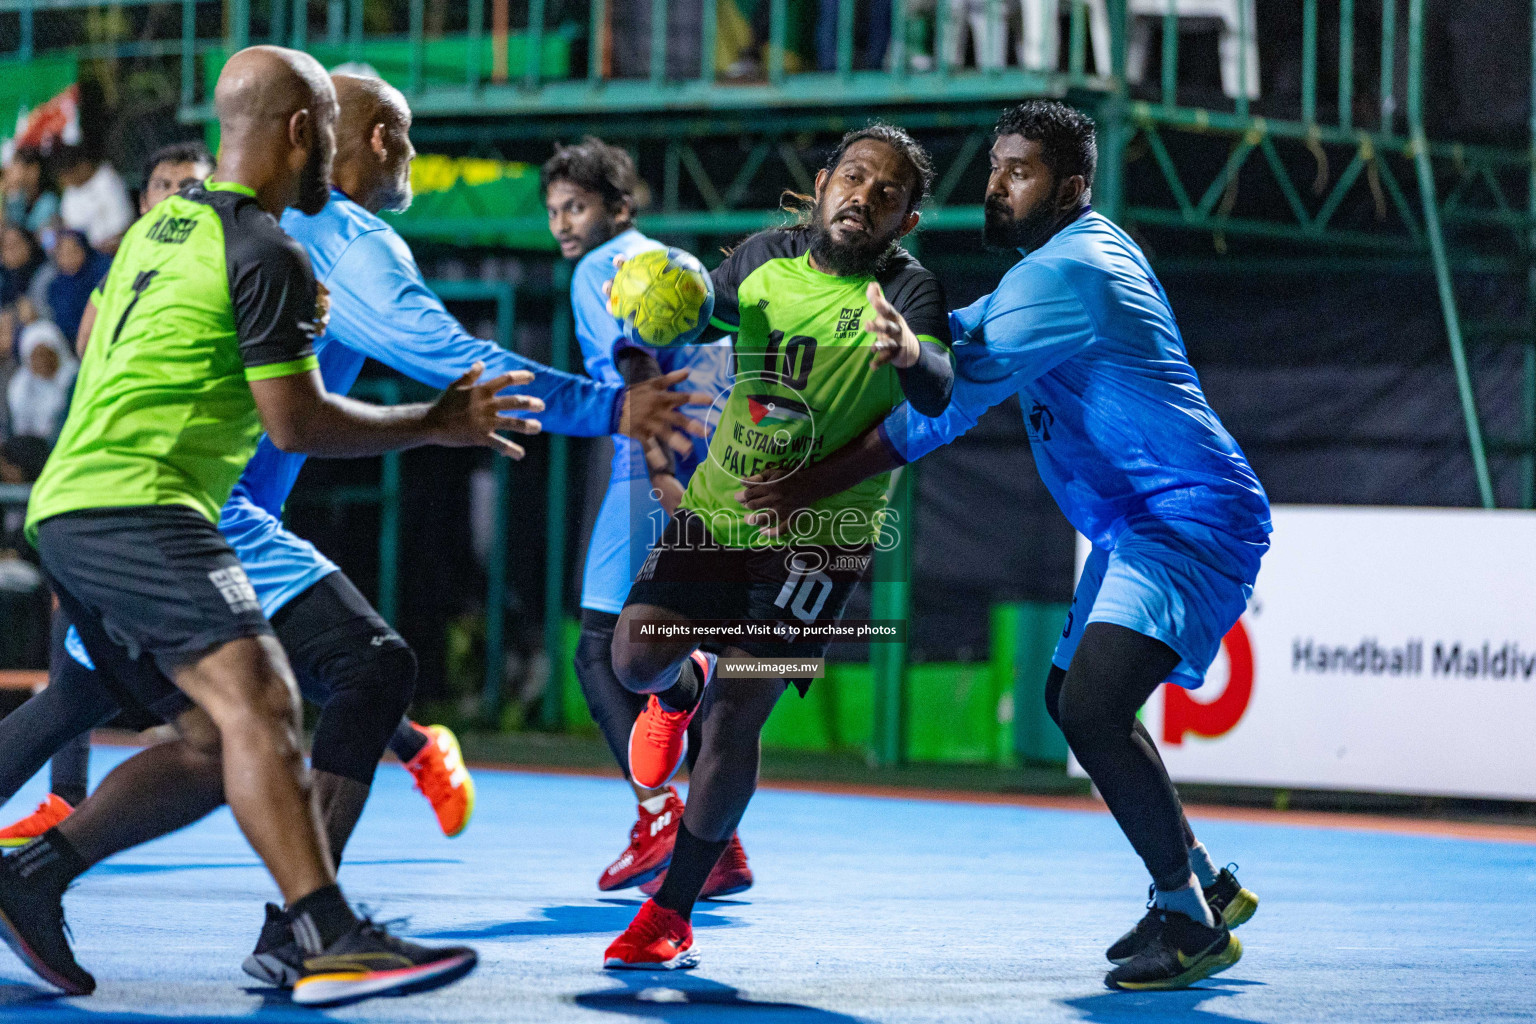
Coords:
1182,713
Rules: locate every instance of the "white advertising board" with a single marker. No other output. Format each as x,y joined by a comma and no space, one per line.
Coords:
1388,650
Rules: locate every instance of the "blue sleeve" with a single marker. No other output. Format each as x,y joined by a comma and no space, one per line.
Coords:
1033,322
599,331
911,435
1003,341
381,307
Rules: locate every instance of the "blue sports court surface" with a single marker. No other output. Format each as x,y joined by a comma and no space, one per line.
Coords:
865,909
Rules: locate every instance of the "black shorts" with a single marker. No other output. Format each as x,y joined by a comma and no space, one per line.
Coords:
149,588
687,572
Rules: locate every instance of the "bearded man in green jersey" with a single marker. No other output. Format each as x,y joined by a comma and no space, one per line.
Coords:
203,339
820,358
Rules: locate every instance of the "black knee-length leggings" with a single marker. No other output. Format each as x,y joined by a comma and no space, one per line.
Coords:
1095,702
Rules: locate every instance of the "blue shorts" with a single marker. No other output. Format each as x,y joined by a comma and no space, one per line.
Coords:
628,525
280,564
1182,583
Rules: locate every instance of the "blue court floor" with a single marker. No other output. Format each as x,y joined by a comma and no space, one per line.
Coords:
866,909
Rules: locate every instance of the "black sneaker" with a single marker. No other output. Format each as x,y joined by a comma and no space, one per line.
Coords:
1226,897
368,961
1180,953
1135,940
277,958
32,924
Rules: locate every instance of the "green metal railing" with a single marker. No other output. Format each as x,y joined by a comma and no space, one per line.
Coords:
1337,177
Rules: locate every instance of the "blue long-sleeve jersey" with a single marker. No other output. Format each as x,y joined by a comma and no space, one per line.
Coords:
1081,331
381,308
630,519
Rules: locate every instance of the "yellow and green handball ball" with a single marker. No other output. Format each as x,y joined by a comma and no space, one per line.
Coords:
664,297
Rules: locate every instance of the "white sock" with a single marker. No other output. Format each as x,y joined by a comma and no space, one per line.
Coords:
1186,900
655,803
1205,869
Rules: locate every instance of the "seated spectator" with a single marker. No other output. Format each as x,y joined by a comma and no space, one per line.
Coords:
20,260
95,200
38,394
27,203
67,282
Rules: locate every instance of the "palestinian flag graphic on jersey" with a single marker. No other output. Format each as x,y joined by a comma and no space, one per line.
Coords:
775,410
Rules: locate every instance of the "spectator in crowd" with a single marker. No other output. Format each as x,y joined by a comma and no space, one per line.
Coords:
38,394
21,460
67,281
20,260
872,34
172,168
95,200
28,204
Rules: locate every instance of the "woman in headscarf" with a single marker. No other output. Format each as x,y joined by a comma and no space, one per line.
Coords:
77,268
38,395
20,259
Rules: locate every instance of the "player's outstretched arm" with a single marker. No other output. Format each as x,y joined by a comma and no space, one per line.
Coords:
927,376
773,497
301,416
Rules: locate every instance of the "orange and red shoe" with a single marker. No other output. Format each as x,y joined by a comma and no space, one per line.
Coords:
441,777
650,847
658,741
730,875
48,814
657,939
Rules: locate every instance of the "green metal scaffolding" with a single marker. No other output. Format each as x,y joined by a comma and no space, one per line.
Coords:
1440,204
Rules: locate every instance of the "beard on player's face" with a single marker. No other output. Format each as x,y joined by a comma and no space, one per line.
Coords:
315,178
395,194
860,254
1003,229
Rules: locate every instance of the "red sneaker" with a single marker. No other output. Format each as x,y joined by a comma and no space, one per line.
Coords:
658,741
48,814
442,778
730,876
650,847
657,939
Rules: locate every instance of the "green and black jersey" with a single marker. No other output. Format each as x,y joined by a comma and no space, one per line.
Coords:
205,294
803,384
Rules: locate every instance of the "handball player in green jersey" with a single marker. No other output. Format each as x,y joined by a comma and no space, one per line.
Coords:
821,357
203,339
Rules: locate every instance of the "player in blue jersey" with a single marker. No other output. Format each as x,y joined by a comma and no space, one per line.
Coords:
348,660
591,191
1124,440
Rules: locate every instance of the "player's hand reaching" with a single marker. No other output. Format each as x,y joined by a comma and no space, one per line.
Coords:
894,341
773,496
469,412
652,409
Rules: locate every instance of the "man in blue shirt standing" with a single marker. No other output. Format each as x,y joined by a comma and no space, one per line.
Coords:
347,659
591,191
1124,440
